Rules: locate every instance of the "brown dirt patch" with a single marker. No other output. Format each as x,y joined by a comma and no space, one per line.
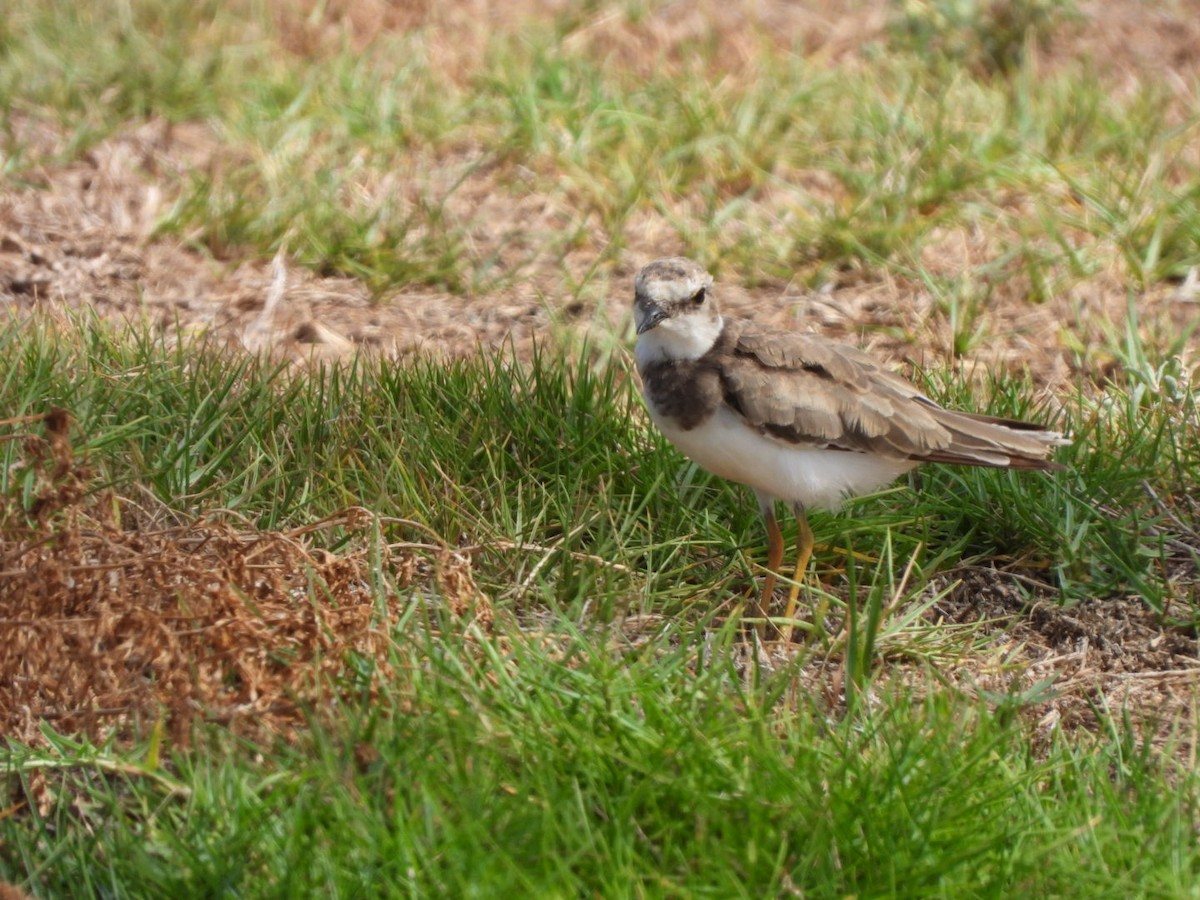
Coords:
1110,659
115,622
1061,669
1125,41
80,238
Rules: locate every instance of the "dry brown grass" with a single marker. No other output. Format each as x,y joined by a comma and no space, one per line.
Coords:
115,622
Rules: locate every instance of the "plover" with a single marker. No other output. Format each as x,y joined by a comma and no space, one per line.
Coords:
798,418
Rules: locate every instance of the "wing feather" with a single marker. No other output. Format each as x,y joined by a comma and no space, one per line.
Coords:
809,392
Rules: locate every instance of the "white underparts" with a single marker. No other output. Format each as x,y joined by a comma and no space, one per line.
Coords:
726,446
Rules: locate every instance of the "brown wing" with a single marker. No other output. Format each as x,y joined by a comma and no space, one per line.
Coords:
810,392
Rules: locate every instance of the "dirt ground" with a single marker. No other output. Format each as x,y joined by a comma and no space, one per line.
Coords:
81,236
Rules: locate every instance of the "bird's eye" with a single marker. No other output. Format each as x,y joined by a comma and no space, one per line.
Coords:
698,297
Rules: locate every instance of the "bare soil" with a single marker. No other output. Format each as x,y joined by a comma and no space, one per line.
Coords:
1100,661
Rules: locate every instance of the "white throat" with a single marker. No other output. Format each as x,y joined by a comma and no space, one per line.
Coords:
680,337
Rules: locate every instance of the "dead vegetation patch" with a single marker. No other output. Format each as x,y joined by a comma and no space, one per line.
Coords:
113,625
1110,659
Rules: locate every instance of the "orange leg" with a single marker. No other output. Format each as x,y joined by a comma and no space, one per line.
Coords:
774,559
804,548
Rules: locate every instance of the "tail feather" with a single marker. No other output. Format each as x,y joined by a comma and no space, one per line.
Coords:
979,440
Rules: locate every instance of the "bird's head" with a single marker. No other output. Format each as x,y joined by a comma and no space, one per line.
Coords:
674,310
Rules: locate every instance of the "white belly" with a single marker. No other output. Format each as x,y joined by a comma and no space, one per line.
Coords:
725,446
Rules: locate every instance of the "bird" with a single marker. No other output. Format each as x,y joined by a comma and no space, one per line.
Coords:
798,418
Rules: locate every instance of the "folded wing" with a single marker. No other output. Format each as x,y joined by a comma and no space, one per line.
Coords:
808,392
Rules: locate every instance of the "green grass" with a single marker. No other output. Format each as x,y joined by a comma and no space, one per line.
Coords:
548,759
632,777
557,455
638,777
490,770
